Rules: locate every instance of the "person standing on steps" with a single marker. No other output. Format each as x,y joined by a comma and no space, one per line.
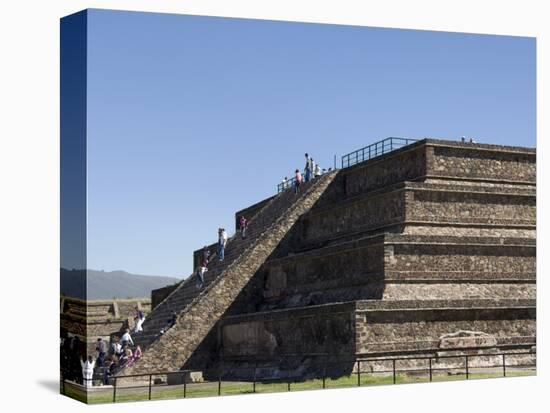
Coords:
297,181
307,168
200,275
140,318
101,352
243,224
222,241
284,183
173,319
127,338
205,255
317,171
116,347
88,371
137,353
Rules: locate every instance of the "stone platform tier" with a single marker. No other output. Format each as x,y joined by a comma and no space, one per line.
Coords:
395,267
376,327
199,310
302,342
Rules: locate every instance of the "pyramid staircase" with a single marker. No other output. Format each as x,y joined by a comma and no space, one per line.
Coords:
166,347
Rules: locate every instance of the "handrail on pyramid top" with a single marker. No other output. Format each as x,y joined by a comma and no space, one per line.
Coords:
373,150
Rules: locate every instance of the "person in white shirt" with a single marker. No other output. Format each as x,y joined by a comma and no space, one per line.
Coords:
284,183
117,348
222,241
317,171
313,165
88,371
200,276
140,318
126,338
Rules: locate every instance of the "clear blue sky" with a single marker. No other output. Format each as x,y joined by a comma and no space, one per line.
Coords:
192,118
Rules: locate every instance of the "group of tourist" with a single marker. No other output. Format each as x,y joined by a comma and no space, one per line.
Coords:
109,358
118,355
311,170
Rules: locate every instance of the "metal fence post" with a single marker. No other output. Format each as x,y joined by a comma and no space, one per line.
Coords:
324,375
184,386
114,390
359,373
467,370
430,359
288,385
219,383
393,369
504,365
150,380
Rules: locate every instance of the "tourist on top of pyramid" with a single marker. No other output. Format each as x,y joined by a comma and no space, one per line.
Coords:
317,171
127,338
140,318
297,181
88,371
243,224
307,168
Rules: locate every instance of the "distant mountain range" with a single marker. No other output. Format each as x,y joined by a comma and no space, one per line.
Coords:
105,285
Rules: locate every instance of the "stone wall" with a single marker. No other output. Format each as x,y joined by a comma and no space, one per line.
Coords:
402,165
465,206
482,161
398,331
363,213
462,257
312,331
160,294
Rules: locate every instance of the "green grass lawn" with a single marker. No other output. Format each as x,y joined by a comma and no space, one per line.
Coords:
208,389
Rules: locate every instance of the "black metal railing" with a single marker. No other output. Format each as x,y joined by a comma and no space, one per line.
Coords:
376,149
323,374
285,184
